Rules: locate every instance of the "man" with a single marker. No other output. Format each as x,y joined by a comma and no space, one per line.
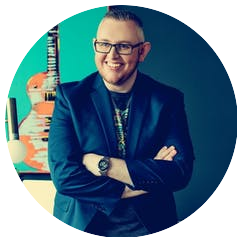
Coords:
119,144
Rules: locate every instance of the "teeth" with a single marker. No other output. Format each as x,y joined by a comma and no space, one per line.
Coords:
114,65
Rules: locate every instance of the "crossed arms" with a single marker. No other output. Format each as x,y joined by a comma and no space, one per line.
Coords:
75,173
119,170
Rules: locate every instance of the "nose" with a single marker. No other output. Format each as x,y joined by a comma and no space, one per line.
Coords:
113,52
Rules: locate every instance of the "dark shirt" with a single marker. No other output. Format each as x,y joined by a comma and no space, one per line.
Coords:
123,221
121,99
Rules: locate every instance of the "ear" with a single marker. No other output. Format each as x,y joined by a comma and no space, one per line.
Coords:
93,41
144,50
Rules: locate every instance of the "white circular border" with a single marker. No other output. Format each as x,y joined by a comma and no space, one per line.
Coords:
104,4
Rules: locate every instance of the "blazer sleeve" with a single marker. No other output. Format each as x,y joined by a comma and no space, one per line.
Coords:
69,175
150,174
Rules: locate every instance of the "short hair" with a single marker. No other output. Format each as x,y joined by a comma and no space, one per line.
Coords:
124,15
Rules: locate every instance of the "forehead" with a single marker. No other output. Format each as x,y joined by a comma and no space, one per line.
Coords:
118,31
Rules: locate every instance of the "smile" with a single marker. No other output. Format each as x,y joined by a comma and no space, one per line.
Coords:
114,65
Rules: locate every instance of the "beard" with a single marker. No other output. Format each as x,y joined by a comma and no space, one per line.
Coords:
117,80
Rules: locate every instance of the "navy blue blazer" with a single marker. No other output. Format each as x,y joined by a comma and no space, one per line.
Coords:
82,123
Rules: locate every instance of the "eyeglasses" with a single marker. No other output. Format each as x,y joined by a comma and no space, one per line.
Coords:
122,49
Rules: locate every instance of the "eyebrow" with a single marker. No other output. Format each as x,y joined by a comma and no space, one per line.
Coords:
118,42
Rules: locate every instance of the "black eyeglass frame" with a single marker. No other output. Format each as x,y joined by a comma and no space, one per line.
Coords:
116,49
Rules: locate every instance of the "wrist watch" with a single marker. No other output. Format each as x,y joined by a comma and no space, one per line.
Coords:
103,165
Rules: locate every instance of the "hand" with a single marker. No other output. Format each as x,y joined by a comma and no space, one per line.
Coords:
90,161
127,193
166,153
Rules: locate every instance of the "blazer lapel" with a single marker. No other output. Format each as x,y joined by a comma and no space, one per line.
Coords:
103,106
137,114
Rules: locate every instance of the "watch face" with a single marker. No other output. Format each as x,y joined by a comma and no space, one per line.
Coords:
103,164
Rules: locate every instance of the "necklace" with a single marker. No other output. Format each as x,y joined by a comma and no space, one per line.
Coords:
120,122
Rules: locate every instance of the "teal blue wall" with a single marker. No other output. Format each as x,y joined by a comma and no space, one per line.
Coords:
76,57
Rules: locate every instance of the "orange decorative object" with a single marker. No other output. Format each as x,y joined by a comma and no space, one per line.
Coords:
41,89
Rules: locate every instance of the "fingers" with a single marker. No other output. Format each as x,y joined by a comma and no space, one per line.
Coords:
127,193
161,152
166,153
170,156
